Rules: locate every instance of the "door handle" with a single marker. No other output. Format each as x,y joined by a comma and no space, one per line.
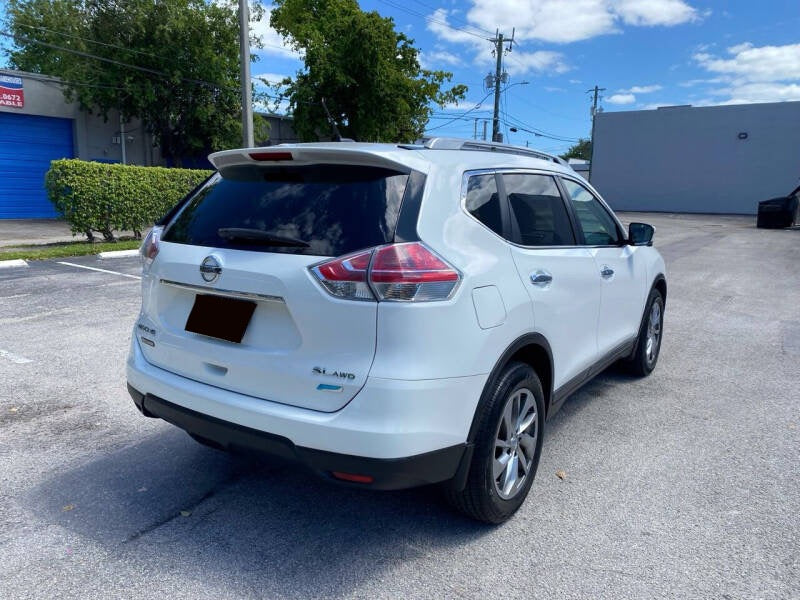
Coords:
606,272
541,278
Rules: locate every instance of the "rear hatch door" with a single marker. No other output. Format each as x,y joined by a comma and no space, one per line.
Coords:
255,232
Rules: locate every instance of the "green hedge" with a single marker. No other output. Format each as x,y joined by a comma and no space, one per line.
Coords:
108,197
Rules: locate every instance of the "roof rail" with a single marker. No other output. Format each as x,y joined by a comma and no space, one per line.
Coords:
448,143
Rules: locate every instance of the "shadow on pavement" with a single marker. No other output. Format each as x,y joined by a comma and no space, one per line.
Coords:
244,524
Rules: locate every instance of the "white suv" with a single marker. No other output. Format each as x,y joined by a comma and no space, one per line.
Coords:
391,315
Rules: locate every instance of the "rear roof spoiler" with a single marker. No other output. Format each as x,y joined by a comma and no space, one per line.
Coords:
304,155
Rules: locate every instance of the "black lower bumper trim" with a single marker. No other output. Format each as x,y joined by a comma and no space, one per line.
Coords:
387,474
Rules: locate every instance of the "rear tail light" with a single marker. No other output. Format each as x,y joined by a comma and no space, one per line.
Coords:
398,272
411,273
346,276
149,247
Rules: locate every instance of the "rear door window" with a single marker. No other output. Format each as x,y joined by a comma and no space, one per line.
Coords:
321,210
538,209
483,201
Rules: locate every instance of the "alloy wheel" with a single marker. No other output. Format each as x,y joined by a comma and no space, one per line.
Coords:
515,443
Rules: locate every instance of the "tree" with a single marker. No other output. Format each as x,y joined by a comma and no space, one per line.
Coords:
174,64
582,150
367,73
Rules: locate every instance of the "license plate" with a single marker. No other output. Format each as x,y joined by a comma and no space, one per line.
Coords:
220,317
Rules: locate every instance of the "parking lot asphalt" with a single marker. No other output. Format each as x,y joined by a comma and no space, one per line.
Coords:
685,484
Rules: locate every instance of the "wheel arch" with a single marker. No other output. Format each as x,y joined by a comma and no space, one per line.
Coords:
660,284
532,349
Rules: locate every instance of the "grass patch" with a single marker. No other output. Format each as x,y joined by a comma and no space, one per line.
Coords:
61,250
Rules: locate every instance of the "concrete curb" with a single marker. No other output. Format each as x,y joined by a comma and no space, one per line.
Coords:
118,254
7,264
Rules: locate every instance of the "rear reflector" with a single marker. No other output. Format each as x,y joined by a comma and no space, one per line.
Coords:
262,156
352,477
407,272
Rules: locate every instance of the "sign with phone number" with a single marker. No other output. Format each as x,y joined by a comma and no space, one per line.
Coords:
11,92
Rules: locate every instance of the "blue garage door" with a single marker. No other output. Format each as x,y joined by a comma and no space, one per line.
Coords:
27,145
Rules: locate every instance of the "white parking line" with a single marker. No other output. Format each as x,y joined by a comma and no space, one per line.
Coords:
15,358
118,254
7,264
69,264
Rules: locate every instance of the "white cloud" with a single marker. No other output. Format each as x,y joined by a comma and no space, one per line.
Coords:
274,43
438,59
655,12
767,63
542,61
754,74
621,99
642,89
749,93
560,22
438,24
522,63
546,20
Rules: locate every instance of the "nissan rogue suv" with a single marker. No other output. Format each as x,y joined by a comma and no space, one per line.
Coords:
391,315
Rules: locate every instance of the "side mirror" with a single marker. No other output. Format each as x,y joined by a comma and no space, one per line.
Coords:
640,234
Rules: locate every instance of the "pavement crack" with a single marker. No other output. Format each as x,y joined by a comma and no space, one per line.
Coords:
177,515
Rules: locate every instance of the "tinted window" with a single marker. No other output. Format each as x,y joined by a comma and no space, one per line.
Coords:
599,228
335,209
483,202
539,210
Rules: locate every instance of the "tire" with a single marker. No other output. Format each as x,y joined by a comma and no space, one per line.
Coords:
493,493
651,331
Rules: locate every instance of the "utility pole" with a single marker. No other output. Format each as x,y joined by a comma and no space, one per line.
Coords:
596,91
499,78
122,138
244,57
475,130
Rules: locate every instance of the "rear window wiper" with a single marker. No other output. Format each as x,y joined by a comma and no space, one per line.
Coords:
259,236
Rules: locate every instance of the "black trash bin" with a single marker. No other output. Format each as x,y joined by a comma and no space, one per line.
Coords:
779,213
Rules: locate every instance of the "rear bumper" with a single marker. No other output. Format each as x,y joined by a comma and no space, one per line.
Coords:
385,474
402,433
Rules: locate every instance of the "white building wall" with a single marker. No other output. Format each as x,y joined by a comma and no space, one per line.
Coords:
691,159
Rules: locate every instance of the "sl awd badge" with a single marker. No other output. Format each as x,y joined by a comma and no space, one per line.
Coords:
338,374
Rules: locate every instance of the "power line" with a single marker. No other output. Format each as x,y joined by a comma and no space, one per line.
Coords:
460,117
123,48
549,112
90,41
454,18
111,60
539,131
57,81
433,19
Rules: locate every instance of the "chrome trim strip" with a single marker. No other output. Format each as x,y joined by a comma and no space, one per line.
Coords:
219,292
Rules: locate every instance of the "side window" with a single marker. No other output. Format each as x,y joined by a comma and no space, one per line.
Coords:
538,209
599,228
483,202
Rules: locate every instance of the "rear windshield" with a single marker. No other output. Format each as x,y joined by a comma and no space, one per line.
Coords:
321,210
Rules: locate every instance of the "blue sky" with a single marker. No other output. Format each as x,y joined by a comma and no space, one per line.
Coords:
646,53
